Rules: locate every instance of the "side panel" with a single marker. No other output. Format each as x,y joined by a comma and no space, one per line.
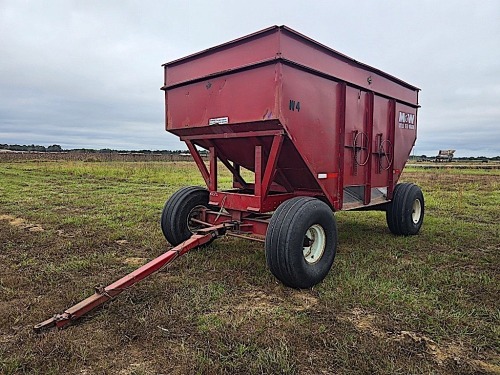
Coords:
248,50
356,152
308,53
245,96
309,113
369,149
404,136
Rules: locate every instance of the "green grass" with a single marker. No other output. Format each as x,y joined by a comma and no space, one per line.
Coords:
219,310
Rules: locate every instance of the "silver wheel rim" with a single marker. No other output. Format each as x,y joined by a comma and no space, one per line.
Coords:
194,213
314,244
416,211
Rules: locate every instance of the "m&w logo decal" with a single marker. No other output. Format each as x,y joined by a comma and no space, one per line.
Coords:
406,120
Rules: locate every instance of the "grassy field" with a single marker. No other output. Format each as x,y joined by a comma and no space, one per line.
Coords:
398,305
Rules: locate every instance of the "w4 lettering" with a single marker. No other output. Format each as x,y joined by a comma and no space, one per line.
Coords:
294,106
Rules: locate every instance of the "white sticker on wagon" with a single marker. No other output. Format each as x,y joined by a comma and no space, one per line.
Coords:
406,120
322,176
218,121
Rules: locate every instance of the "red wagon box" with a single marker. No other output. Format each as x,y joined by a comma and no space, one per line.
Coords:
322,123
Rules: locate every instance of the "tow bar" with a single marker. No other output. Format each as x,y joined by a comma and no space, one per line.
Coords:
104,294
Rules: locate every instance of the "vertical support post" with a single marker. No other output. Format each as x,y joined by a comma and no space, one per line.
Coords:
258,171
272,161
236,168
378,152
213,169
236,173
369,134
392,131
341,143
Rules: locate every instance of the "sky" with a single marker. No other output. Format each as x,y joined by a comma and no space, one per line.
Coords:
87,74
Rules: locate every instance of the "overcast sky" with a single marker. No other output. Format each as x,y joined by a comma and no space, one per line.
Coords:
87,73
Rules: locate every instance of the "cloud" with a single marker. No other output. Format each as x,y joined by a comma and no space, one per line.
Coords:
87,74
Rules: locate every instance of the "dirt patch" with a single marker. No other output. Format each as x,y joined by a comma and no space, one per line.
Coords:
21,223
62,233
135,368
304,301
258,301
440,355
262,302
366,322
135,261
363,321
489,368
6,338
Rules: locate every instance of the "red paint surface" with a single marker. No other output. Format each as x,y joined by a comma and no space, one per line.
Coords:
251,81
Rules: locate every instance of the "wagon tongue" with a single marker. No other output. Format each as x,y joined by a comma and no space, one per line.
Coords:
104,294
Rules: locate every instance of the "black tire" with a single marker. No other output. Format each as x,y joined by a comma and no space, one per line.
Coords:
177,211
286,255
405,213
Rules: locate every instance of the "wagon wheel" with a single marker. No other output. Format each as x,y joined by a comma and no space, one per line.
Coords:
358,149
385,154
405,213
301,242
181,208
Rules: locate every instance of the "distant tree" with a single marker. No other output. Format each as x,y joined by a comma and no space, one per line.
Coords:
54,148
37,148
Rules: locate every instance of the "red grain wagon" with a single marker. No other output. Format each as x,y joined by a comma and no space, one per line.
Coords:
320,132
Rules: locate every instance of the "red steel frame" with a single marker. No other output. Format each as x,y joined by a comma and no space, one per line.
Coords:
260,200
243,210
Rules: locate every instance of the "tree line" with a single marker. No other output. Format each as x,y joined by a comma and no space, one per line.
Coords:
38,148
58,148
